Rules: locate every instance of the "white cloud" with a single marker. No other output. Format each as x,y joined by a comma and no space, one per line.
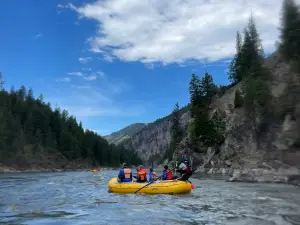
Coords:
100,73
81,86
38,36
76,73
65,79
104,111
87,69
176,31
84,59
90,78
67,6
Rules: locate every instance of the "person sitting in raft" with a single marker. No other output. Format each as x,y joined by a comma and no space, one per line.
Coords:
184,171
125,174
167,173
152,175
186,159
141,174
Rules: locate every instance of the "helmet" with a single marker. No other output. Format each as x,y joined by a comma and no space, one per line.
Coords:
124,165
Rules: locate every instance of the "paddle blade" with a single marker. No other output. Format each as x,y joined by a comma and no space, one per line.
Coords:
193,186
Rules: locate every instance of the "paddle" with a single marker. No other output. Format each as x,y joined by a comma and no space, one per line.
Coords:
150,183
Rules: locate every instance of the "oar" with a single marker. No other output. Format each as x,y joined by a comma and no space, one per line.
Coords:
150,183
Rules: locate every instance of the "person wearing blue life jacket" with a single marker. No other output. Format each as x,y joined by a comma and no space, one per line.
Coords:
125,174
152,175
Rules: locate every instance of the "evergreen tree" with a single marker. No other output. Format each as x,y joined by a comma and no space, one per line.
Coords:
290,32
195,94
1,81
31,123
203,128
208,90
176,132
234,72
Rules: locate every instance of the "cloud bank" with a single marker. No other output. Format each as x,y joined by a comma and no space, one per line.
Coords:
176,31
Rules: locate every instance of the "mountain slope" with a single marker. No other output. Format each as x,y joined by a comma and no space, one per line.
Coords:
125,133
152,141
276,147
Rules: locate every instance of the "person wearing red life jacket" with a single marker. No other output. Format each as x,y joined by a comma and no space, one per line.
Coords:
125,174
167,173
141,174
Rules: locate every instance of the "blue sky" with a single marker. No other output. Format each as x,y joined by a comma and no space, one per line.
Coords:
112,64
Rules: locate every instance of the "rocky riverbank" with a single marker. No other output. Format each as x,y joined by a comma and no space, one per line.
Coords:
258,175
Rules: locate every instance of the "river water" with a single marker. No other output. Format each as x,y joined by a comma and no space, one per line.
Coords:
82,198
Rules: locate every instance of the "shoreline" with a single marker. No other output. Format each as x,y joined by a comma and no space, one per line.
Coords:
289,176
7,169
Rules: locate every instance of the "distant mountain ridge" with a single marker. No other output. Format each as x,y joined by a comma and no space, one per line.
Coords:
125,133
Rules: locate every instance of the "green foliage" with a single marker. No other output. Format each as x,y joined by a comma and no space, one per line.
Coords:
1,81
290,32
234,72
176,132
208,131
238,99
247,66
26,121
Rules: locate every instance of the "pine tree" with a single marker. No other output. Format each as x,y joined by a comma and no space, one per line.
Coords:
1,81
234,73
22,92
208,89
30,95
195,95
290,32
176,132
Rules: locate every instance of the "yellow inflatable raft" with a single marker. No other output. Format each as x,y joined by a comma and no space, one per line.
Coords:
158,187
96,170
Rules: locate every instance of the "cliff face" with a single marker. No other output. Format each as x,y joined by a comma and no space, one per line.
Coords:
241,146
153,140
273,150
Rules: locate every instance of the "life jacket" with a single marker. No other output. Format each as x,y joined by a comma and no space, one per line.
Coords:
127,173
169,174
188,170
153,175
142,174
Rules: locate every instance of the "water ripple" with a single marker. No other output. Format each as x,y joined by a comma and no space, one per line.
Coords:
82,198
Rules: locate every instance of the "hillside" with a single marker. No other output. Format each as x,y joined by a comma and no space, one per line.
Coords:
125,133
152,141
259,112
34,136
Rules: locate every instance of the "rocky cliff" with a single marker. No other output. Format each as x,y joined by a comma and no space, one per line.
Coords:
274,156
152,141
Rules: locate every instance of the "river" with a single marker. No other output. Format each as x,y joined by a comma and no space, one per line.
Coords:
82,198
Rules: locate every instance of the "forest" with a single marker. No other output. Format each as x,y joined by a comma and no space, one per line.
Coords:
30,127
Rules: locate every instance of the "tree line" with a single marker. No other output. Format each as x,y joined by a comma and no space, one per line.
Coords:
26,121
247,67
